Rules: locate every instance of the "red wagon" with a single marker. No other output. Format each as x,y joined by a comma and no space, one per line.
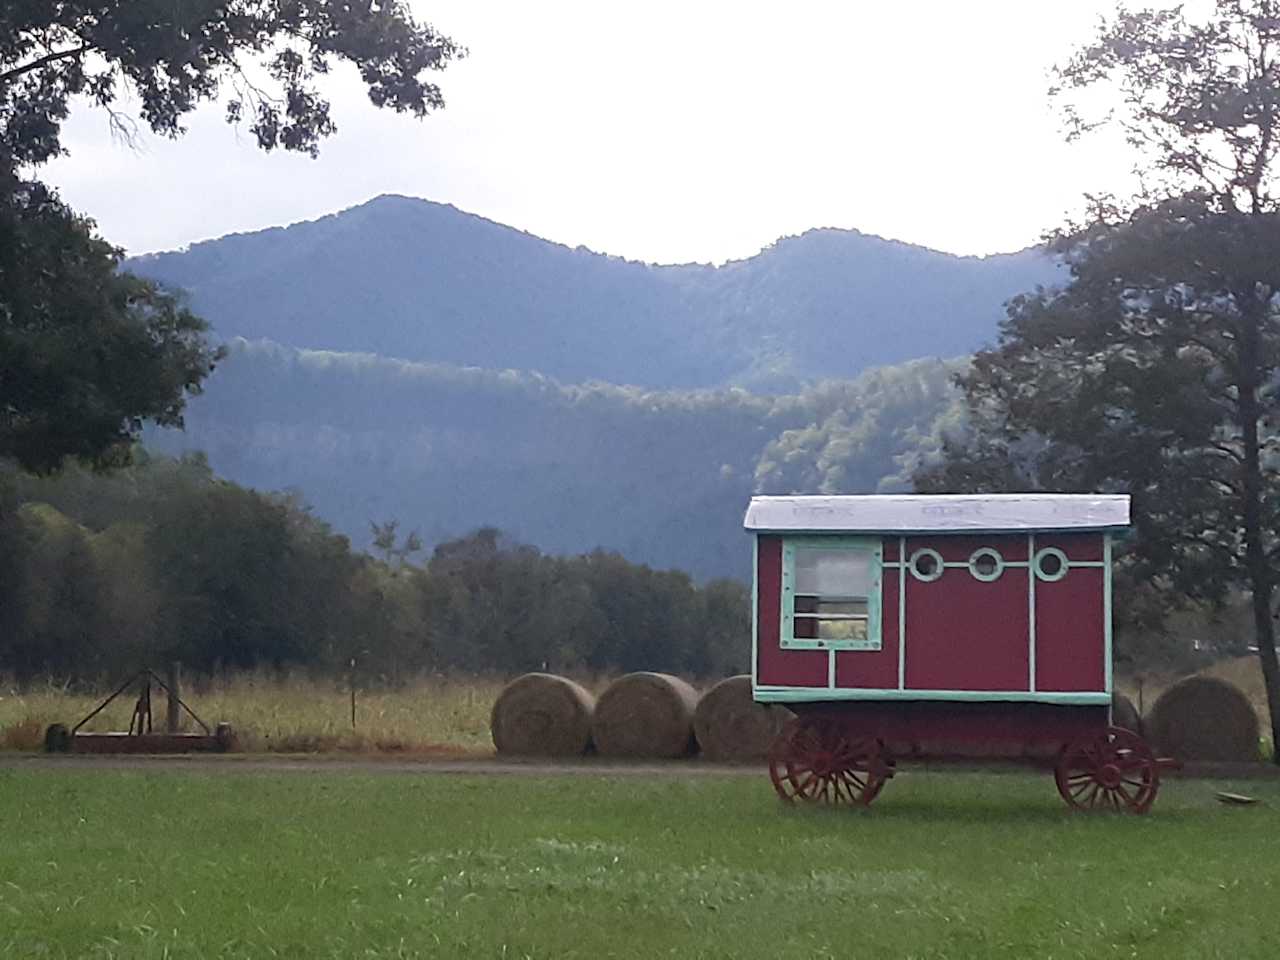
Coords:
926,627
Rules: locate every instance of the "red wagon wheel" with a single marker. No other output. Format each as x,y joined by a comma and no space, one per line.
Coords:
1112,770
815,760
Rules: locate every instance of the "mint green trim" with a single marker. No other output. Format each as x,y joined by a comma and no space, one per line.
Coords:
1106,612
788,640
755,609
812,643
1005,564
1117,530
902,613
1031,619
1009,564
812,694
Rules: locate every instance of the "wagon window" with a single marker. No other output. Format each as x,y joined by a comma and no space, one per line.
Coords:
1050,564
926,564
986,564
831,595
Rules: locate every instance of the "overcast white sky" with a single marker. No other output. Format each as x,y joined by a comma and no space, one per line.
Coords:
663,131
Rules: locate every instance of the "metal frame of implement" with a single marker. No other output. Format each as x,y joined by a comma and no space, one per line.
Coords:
141,736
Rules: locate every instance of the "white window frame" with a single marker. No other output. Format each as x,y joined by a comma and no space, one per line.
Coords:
872,546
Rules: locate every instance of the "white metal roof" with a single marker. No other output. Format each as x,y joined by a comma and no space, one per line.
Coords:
928,513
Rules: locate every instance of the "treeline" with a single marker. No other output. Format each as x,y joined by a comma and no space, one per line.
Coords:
660,476
102,574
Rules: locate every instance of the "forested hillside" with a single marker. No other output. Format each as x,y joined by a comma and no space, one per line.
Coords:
421,281
404,360
661,476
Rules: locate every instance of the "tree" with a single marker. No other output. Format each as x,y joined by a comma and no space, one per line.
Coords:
87,353
1155,369
60,599
386,541
175,54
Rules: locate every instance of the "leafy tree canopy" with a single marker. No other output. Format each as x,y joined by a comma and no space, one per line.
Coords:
1129,379
1196,100
1155,369
263,55
88,353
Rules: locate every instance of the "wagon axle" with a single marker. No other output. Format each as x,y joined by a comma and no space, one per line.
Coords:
822,760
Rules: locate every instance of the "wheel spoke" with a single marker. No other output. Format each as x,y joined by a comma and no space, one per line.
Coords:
845,790
1081,788
857,788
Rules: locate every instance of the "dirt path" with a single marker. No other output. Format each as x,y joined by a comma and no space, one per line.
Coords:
366,764
488,765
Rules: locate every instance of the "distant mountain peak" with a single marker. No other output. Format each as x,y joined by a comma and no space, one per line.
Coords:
420,280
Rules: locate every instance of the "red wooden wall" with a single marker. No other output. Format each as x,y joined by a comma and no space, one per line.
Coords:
1071,619
776,667
963,634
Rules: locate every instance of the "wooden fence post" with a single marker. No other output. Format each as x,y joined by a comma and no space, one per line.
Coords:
174,683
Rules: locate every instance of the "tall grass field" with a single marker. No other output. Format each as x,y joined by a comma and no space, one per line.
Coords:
294,715
429,715
114,864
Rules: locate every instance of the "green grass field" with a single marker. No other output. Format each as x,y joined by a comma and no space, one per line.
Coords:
109,864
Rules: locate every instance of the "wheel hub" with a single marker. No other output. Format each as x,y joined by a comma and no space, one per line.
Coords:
1109,776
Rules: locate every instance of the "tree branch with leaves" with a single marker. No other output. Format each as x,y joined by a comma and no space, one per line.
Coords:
87,353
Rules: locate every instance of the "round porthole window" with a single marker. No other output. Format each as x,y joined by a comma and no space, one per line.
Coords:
926,564
986,564
1051,564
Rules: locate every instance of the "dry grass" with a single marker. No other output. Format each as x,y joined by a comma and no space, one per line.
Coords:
26,734
433,714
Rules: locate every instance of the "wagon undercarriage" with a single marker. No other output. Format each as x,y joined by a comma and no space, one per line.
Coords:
842,755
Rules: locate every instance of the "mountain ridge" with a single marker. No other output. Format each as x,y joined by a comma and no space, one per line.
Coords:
420,280
407,360
385,198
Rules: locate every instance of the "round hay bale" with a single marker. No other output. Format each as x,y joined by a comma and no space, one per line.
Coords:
730,725
1203,718
1124,713
542,715
645,715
